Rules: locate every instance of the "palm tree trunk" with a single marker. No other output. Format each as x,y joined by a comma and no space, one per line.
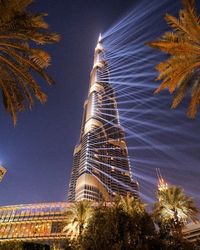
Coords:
177,227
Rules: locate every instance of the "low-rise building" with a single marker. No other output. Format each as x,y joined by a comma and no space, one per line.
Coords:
39,223
192,231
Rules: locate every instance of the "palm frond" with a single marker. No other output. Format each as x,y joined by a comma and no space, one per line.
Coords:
176,25
78,216
183,47
194,103
182,89
172,202
18,60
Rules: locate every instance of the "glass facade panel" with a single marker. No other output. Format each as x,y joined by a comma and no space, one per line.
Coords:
33,222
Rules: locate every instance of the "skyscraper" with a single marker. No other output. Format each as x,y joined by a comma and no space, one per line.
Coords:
101,168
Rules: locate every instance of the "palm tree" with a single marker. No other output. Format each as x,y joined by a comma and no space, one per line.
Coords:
122,224
174,208
20,59
181,71
131,205
77,218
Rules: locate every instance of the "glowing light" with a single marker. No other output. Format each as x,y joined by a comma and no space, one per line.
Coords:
156,135
2,172
100,37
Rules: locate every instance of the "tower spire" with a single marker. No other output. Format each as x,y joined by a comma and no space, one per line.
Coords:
162,184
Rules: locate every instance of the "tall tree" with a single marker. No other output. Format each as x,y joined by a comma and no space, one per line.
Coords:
77,218
119,226
130,204
20,32
180,73
173,209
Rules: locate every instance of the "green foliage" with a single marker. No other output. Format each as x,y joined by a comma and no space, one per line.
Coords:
130,204
173,206
77,218
112,227
171,211
35,246
20,32
11,245
23,246
124,224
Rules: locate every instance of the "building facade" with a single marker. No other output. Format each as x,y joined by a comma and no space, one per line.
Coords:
101,167
39,223
191,231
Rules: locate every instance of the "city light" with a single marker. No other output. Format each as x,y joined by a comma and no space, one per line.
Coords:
2,172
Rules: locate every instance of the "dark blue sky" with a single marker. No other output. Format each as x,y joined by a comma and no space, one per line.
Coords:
38,151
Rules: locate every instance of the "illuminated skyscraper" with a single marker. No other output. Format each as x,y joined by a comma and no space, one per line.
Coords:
101,168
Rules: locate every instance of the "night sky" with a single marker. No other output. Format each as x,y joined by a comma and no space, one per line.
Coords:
38,151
